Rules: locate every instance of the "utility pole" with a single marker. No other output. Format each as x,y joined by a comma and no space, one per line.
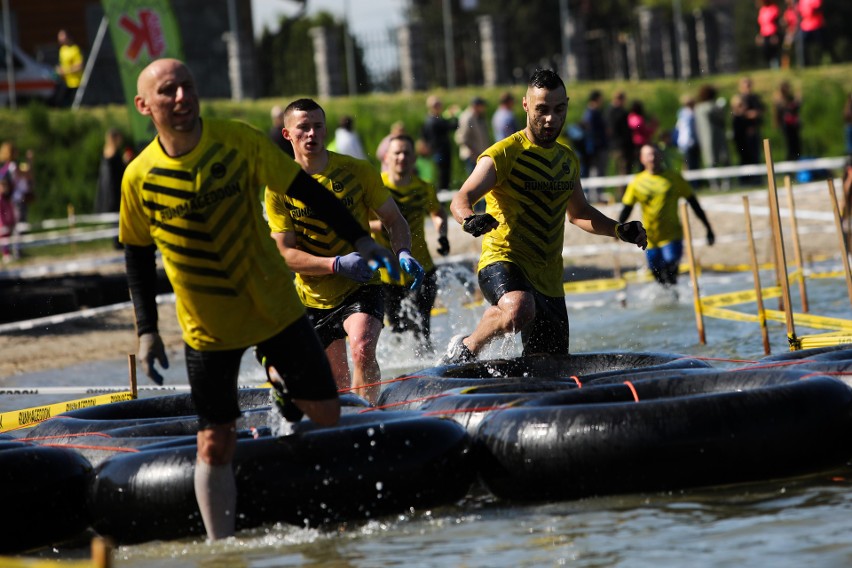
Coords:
350,53
449,51
566,39
10,58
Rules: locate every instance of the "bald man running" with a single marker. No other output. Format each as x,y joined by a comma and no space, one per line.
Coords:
194,194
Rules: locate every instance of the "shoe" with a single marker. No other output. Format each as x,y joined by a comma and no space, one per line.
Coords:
280,396
457,352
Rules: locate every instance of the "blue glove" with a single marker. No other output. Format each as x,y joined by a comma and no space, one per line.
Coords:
353,267
411,267
377,256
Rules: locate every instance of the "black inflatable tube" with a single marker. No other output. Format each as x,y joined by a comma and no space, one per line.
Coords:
407,392
843,351
43,495
469,406
577,450
358,471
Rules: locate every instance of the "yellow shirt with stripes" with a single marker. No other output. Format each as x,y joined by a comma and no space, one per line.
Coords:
658,194
415,200
530,200
359,186
203,210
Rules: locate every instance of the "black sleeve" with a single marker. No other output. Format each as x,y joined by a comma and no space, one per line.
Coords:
307,190
625,213
141,269
699,212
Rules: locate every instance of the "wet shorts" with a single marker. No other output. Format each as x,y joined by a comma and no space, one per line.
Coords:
295,353
548,332
328,323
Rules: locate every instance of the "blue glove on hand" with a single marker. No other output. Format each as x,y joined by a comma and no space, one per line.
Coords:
377,256
411,267
353,267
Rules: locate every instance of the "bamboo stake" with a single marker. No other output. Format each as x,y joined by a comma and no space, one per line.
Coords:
779,246
693,275
844,253
102,552
755,272
131,370
797,246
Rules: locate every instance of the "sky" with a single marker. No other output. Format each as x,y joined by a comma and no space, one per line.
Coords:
367,15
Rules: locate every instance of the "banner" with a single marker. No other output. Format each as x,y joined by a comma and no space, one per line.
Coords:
141,31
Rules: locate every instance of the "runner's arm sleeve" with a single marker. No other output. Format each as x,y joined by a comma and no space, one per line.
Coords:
699,212
625,213
142,281
307,190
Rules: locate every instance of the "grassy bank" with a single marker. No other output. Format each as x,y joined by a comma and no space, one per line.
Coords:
68,144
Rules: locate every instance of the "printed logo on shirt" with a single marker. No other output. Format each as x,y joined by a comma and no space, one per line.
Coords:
218,170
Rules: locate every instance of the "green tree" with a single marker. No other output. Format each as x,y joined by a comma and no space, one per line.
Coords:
286,57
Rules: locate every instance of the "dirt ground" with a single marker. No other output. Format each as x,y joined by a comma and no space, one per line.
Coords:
112,335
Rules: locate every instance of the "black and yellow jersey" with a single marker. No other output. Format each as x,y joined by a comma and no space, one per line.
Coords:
359,186
659,194
414,200
530,201
204,213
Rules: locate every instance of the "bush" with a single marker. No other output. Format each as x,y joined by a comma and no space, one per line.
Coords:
68,143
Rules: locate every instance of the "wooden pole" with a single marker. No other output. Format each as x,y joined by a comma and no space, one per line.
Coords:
755,272
102,552
779,246
797,246
844,253
131,371
693,275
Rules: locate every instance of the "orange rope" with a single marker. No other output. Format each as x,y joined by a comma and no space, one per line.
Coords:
632,390
85,447
60,436
380,383
466,410
421,399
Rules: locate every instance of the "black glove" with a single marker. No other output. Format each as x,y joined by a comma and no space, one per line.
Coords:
711,238
479,223
151,350
444,248
632,232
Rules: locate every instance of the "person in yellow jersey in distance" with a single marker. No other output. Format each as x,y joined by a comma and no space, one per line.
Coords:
342,293
408,309
658,191
530,182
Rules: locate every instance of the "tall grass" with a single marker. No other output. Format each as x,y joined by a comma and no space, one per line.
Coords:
68,144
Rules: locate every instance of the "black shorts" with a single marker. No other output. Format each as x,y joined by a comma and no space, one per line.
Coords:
295,353
548,332
328,323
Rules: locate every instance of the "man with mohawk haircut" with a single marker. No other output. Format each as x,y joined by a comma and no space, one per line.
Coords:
530,182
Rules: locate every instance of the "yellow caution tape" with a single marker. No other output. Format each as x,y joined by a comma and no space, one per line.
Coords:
589,286
17,419
8,562
739,297
825,340
723,313
832,274
812,321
